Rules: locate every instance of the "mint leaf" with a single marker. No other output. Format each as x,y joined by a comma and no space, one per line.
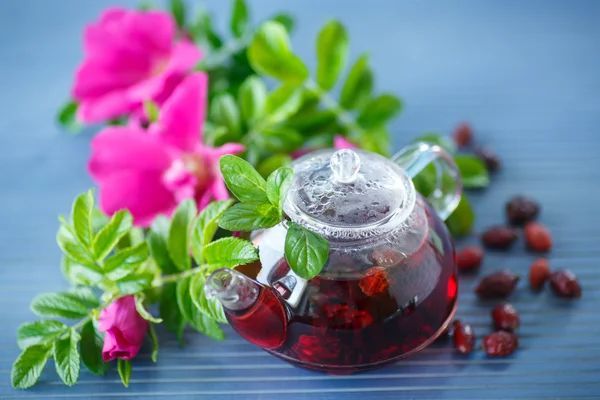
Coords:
70,245
38,332
177,243
81,215
286,20
107,238
123,263
443,141
229,253
212,308
205,226
270,53
28,367
242,179
177,8
460,222
78,274
283,102
280,139
223,111
85,296
358,85
379,110
91,349
124,368
247,217
134,283
66,358
277,186
473,171
305,251
192,314
67,117
252,100
332,50
58,305
168,307
157,242
268,166
208,326
141,309
239,18
154,341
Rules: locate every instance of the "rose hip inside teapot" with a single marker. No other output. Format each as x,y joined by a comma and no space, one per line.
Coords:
389,286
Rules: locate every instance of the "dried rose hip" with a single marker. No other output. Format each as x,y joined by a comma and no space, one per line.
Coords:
463,136
463,337
375,281
505,317
489,157
500,343
497,285
469,258
521,209
564,284
499,237
538,237
538,273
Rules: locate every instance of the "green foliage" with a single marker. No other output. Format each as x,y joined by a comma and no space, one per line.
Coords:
91,349
124,369
66,357
177,243
460,222
239,18
332,51
28,367
358,86
67,117
305,251
473,171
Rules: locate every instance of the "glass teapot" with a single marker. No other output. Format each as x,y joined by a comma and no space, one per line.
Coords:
389,286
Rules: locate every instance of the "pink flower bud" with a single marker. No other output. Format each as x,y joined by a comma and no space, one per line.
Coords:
125,329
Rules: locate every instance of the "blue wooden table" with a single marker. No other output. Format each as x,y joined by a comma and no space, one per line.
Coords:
524,73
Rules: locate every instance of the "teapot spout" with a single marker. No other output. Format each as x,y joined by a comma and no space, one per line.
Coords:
254,311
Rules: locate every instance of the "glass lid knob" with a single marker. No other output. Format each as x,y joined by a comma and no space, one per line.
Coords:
345,165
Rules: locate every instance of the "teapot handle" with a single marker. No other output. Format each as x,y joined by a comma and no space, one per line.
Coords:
448,187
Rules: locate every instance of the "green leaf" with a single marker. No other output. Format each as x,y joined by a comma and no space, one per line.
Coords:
177,8
268,166
205,226
124,368
203,33
473,171
154,340
239,18
305,251
67,117
247,217
28,367
81,215
242,179
379,110
134,283
68,243
376,140
224,111
284,140
212,308
91,349
85,296
157,242
107,238
277,186
332,51
151,110
286,20
229,252
141,309
146,5
78,274
283,102
443,141
192,314
311,122
168,307
178,243
460,222
66,358
252,100
358,85
270,53
123,263
58,305
38,332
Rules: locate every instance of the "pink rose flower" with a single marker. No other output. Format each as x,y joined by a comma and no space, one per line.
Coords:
130,57
125,329
340,142
151,172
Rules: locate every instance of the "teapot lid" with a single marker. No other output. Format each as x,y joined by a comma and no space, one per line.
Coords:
347,195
